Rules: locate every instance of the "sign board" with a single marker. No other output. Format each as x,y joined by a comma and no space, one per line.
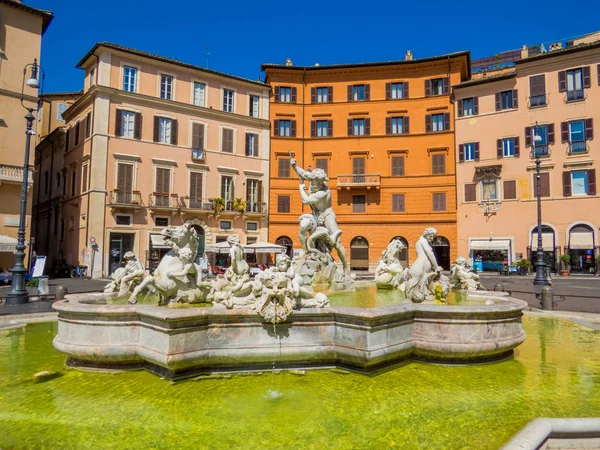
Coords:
203,263
92,240
38,268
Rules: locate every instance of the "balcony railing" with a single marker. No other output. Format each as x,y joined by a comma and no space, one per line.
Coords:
358,180
121,198
14,174
164,201
577,147
540,150
256,207
198,154
536,101
198,204
575,94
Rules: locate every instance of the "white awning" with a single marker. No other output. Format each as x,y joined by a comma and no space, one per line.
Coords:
264,247
219,247
581,241
487,244
7,244
547,241
158,241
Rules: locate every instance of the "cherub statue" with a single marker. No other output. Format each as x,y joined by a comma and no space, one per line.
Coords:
124,279
463,277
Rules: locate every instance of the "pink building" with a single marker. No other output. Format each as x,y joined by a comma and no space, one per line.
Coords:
154,142
497,114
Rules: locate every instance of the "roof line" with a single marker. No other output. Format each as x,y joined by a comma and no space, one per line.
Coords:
483,80
556,53
47,16
61,94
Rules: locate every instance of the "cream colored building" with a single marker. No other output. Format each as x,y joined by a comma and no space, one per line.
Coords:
21,30
558,90
155,142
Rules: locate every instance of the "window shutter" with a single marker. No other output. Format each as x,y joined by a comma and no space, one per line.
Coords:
358,166
476,151
388,91
313,128
550,133
446,85
460,108
427,88
313,95
446,121
293,128
591,178
83,130
330,94
545,184
330,128
174,128
349,127
388,125
247,144
515,98
510,190
566,184
475,105
428,123
88,125
499,150
405,88
350,87
589,129
564,132
125,178
537,85
461,153
527,136
517,147
562,82
277,94
498,104
293,95
156,126
276,128
367,92
367,127
137,126
406,125
200,136
259,194
587,78
470,192
283,203
118,116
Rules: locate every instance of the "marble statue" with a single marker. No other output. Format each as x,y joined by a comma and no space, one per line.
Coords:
124,279
177,278
390,274
463,278
425,281
319,235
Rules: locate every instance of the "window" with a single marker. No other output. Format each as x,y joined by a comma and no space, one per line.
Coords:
251,226
77,129
544,184
468,107
322,163
323,94
579,182
537,91
397,166
162,186
437,86
439,201
546,134
195,192
199,91
577,136
437,122
166,87
164,130
506,100
254,102
127,123
508,147
88,125
322,128
359,203
358,168
360,92
252,144
285,94
489,190
286,128
122,219
396,90
510,189
198,138
438,162
227,100
396,125
227,140
73,182
283,203
359,127
161,221
227,191
253,193
283,168
225,224
84,178
129,78
574,84
92,77
398,203
469,151
470,192
60,109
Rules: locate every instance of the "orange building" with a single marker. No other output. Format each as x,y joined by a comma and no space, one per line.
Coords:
384,133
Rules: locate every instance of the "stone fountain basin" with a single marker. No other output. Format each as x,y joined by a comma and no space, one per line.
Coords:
178,343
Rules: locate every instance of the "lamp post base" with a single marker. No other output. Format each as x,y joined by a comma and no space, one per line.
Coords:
17,298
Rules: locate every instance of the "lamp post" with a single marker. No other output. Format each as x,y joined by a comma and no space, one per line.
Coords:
18,293
540,264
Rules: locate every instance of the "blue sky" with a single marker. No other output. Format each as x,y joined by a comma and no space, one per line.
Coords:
242,35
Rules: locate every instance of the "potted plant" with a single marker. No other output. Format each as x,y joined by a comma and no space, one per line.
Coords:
218,204
565,259
524,266
239,205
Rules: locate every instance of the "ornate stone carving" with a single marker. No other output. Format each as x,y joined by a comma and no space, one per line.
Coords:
390,274
125,279
463,277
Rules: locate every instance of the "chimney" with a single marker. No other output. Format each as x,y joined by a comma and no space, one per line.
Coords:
524,52
408,56
288,62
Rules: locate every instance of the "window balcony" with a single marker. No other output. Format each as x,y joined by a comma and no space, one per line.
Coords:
256,207
577,147
163,201
575,95
122,199
14,174
540,150
538,101
196,204
198,154
359,181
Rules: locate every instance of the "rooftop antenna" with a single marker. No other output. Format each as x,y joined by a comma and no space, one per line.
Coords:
207,57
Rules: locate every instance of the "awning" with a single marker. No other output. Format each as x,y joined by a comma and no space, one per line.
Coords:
7,244
219,247
158,241
264,247
581,241
487,244
547,241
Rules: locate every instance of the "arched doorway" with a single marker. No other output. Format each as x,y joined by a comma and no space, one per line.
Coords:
404,253
581,244
359,254
548,245
441,250
287,243
200,258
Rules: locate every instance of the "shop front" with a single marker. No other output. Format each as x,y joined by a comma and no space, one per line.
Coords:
490,255
582,249
548,246
119,244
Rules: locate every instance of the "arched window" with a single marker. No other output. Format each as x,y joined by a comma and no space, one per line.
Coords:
287,243
581,247
441,249
359,253
201,240
404,253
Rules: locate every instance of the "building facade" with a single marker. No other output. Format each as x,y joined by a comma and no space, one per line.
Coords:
21,30
154,142
384,133
553,95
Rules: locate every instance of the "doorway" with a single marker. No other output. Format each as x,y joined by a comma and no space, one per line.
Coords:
120,243
359,254
441,250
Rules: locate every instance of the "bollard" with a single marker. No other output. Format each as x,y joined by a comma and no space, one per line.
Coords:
499,287
60,292
547,298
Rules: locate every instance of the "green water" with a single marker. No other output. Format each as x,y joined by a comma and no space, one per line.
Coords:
555,373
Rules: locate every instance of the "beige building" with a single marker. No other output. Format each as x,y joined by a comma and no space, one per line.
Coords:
154,142
496,117
21,30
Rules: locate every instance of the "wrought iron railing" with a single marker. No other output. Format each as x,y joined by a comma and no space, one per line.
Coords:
356,179
536,101
577,147
256,207
575,94
163,200
201,204
540,150
118,197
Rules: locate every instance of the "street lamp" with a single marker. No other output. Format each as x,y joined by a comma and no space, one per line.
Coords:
540,264
18,293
